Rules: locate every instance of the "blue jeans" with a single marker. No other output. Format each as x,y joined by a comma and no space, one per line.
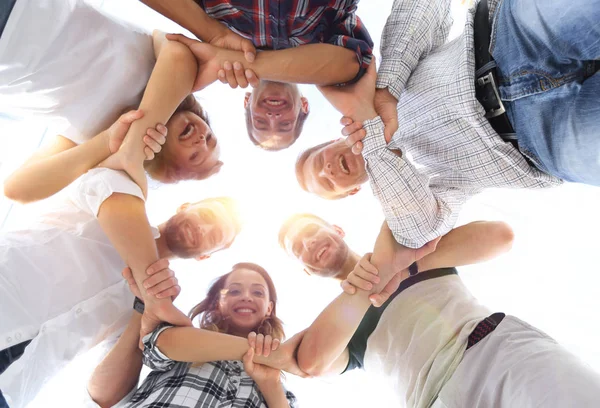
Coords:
7,357
6,7
548,56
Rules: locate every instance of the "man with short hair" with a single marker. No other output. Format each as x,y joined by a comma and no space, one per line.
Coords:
321,248
60,282
312,42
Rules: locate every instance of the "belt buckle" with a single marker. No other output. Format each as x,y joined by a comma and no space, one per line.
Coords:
484,81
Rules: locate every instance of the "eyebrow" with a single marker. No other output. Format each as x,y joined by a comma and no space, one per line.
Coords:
253,284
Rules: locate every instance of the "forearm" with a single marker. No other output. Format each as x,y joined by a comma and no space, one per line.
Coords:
469,244
118,373
46,176
328,336
188,14
275,396
319,64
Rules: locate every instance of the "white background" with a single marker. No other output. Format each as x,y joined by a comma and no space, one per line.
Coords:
550,278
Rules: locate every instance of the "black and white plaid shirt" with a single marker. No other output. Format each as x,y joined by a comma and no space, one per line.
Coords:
449,150
222,384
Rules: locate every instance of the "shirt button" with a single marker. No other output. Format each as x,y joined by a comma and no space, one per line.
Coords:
18,336
78,311
9,340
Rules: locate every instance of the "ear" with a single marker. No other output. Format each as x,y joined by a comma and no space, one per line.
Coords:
202,257
247,99
183,207
339,231
354,191
270,309
304,106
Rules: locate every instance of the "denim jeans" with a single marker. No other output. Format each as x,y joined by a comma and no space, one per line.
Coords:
548,56
7,357
6,7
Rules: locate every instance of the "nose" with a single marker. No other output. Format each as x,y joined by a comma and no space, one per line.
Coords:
327,170
272,115
201,139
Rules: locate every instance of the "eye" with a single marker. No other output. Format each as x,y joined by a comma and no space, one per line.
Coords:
233,292
258,293
208,137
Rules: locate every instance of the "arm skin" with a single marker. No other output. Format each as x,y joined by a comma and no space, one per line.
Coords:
171,81
275,396
119,371
323,348
54,167
188,14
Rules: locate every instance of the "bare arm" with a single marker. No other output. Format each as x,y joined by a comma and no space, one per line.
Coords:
119,371
469,244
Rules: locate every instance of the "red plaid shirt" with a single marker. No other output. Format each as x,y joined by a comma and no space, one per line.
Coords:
278,24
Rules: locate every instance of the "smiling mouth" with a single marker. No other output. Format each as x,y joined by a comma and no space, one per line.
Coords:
344,165
188,131
274,102
321,252
244,311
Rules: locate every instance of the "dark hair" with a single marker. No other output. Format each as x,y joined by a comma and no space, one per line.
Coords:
157,168
301,160
287,224
209,308
297,131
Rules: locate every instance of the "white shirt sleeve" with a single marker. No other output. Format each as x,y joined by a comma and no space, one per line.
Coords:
91,189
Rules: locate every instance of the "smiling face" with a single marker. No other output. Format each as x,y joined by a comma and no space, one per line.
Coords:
191,148
245,301
200,229
274,111
333,171
318,245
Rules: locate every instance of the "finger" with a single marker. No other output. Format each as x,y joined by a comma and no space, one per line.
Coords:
268,343
240,76
379,299
131,116
172,293
180,38
229,74
357,148
252,339
152,144
276,344
359,282
156,136
348,288
252,78
249,50
427,249
346,120
372,70
128,275
164,285
158,277
222,77
349,129
247,360
158,266
162,129
365,263
260,339
148,153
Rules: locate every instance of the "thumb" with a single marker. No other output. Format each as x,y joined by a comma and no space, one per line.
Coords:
347,287
427,249
372,69
249,50
180,38
248,360
127,274
131,116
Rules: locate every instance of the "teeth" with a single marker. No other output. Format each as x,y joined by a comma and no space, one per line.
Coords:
344,168
274,103
321,252
244,310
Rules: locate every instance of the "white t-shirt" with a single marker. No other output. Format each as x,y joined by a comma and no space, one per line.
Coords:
421,338
58,274
66,60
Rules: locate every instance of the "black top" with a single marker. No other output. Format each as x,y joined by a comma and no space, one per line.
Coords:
358,342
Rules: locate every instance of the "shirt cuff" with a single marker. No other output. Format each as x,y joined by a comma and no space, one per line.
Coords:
393,74
374,141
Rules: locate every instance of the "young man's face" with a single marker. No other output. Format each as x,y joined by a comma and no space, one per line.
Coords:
198,230
319,246
274,109
333,171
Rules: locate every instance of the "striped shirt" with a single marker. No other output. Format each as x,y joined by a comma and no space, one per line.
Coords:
449,150
222,384
275,24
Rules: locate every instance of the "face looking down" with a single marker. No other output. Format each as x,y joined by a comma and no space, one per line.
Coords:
331,170
200,229
275,113
317,244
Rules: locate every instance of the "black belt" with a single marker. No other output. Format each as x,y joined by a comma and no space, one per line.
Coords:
486,79
485,327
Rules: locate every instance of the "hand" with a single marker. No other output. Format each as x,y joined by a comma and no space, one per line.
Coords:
363,276
390,257
264,376
161,283
154,138
284,358
386,106
235,75
354,133
263,345
232,41
156,312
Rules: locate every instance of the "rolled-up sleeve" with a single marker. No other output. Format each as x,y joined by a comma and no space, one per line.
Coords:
152,356
350,32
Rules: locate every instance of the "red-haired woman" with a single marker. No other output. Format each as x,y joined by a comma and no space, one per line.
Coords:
212,365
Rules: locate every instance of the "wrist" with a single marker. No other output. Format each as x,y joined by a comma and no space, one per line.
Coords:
365,114
213,30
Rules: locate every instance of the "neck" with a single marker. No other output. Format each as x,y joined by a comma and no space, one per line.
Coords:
161,243
348,266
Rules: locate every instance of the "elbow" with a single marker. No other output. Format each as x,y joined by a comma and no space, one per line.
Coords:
181,57
504,236
309,362
101,396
